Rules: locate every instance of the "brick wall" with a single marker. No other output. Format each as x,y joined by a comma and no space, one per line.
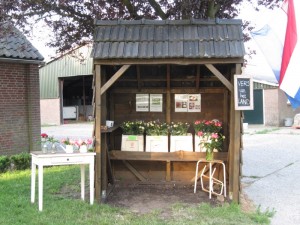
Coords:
19,108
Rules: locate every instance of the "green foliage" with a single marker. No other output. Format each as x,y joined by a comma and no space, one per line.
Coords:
156,128
21,161
4,163
179,128
133,127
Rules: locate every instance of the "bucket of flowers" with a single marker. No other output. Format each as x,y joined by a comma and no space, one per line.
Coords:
210,137
180,138
157,136
133,135
83,145
68,145
48,143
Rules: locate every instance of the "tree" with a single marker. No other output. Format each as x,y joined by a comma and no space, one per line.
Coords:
72,21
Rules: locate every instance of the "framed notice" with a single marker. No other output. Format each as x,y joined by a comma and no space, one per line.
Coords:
142,102
181,103
194,103
243,92
156,102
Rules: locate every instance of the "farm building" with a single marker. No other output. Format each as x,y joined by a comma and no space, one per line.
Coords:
19,96
271,106
66,87
141,68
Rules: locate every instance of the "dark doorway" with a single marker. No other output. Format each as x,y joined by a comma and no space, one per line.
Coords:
77,94
256,116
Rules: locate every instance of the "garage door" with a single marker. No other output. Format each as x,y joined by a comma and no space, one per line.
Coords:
256,116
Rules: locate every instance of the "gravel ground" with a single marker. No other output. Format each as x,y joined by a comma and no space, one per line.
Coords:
271,165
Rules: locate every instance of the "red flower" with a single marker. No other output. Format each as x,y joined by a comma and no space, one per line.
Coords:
44,135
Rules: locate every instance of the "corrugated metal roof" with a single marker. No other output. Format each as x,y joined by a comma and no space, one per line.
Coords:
145,39
14,45
75,63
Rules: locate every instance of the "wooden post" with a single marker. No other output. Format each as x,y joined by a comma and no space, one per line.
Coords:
103,145
98,133
168,118
235,148
168,96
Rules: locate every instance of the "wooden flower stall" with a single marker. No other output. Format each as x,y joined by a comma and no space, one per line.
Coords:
167,71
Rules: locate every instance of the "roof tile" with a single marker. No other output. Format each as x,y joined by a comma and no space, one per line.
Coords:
168,39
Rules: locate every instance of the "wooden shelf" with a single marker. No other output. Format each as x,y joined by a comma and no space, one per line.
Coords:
183,156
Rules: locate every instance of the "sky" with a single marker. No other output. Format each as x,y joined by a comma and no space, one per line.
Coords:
256,67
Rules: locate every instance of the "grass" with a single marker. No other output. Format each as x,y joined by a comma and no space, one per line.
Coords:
61,209
265,131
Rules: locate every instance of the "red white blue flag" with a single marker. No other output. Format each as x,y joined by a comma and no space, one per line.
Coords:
284,56
290,67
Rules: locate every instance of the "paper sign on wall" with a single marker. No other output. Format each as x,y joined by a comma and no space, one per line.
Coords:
194,103
142,102
187,103
156,102
181,103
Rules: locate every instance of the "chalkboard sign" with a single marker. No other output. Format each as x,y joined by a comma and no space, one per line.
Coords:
243,92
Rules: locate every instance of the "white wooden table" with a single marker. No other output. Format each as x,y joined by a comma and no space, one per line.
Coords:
41,159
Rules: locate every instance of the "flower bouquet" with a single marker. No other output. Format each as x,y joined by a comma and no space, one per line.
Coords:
156,128
69,145
210,137
83,145
133,127
48,142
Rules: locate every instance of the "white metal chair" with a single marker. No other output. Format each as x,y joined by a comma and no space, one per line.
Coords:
212,181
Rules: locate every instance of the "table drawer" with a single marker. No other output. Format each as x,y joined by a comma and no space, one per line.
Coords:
67,160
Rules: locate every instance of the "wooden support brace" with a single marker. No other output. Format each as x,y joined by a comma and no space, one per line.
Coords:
115,77
134,171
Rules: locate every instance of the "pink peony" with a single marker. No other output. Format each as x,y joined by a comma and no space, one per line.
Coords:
200,133
214,135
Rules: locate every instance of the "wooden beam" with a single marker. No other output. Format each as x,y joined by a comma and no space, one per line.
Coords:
98,133
134,171
176,61
115,77
168,95
220,76
168,171
178,156
173,90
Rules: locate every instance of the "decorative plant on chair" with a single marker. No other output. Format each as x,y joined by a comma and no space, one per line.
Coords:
209,131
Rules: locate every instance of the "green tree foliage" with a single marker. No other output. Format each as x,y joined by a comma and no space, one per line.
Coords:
72,21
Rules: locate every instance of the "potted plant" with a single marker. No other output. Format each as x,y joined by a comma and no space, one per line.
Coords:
83,145
69,145
180,139
48,142
157,136
210,137
133,135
